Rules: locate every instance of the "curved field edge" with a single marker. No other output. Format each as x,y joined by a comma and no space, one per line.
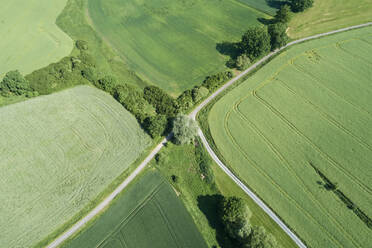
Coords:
70,136
148,189
203,116
36,41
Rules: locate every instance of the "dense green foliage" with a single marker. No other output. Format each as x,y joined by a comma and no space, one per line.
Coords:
259,238
256,42
162,102
242,62
199,93
278,36
53,145
301,5
284,14
184,129
15,84
295,110
148,214
156,125
215,81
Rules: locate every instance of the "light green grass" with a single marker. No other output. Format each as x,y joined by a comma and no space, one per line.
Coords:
172,43
30,39
312,104
148,214
330,15
57,153
200,198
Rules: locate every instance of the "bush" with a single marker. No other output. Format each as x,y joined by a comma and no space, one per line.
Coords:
81,45
216,80
185,101
184,129
283,14
242,62
162,102
259,238
107,83
156,125
256,42
199,93
132,100
235,215
301,5
278,35
14,83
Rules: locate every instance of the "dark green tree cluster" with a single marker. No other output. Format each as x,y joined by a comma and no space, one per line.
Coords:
255,42
284,14
301,5
14,83
216,80
235,215
156,125
162,102
278,35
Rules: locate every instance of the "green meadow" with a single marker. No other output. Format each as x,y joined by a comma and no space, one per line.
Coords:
57,153
148,214
30,39
169,43
303,119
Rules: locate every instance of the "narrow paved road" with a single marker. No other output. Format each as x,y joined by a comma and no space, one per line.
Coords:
77,226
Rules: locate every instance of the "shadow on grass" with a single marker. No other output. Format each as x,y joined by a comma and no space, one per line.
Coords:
276,3
231,49
209,205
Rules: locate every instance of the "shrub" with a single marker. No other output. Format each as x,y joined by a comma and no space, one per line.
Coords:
259,238
278,35
156,125
14,83
185,101
81,45
107,83
283,14
301,5
162,102
216,80
242,62
199,93
256,42
184,129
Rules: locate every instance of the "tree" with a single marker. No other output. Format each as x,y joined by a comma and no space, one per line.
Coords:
235,217
301,5
14,83
284,14
259,238
242,62
185,101
107,83
184,129
256,42
278,35
156,125
198,93
162,102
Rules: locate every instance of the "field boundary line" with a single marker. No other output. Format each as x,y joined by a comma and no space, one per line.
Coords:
106,202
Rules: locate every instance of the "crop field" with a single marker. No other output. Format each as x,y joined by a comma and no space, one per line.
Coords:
171,43
57,153
30,39
149,214
330,15
303,119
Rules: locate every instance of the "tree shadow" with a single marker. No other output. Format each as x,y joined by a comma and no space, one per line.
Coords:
231,49
265,21
276,3
209,205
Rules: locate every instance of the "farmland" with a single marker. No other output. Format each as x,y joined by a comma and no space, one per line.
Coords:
304,117
149,214
330,15
58,152
172,44
30,39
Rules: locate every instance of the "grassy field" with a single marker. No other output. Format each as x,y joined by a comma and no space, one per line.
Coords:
172,43
330,15
30,39
263,5
57,153
148,214
310,106
200,197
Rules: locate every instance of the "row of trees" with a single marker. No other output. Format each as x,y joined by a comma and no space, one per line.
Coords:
235,215
14,84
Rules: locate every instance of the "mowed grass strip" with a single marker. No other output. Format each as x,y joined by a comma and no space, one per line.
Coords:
57,153
330,15
172,43
311,104
30,39
148,214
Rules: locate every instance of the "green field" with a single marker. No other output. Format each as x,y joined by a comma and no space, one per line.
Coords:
30,39
330,15
171,43
57,153
311,105
149,214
